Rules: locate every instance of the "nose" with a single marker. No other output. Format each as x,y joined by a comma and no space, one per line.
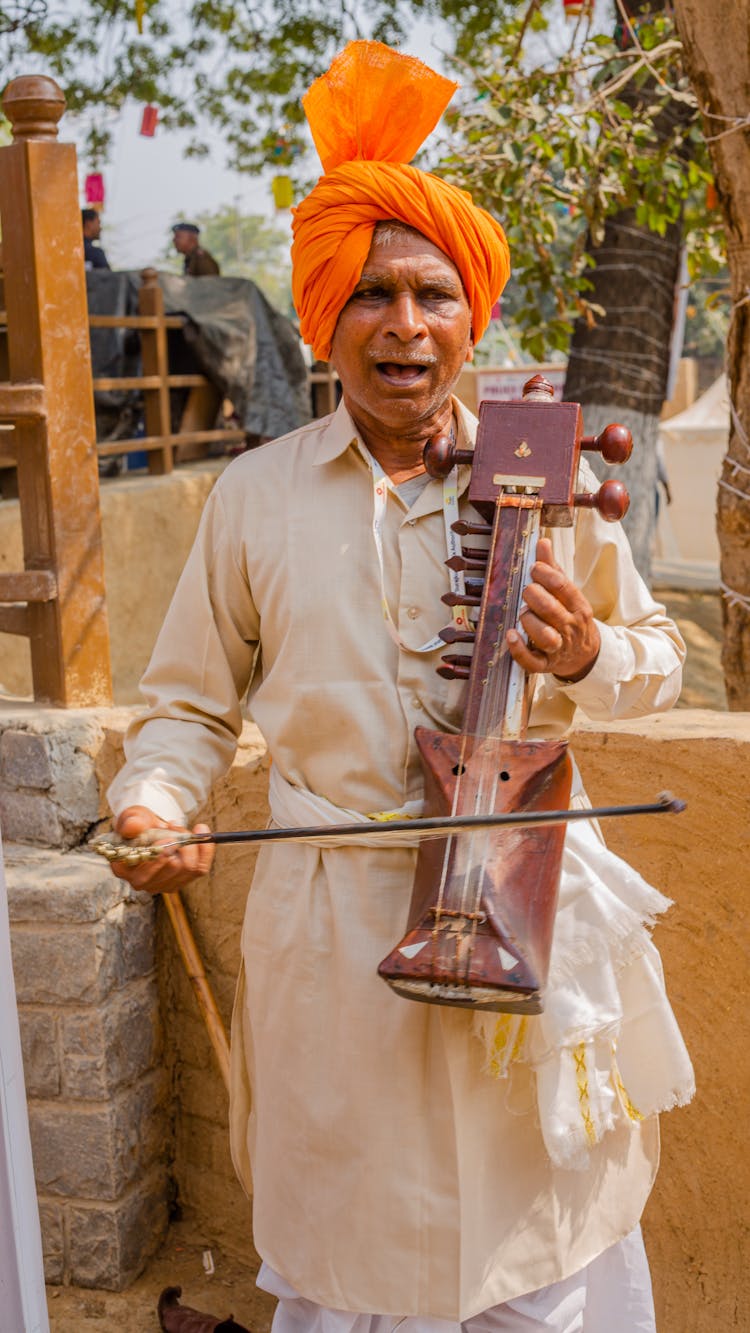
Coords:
405,318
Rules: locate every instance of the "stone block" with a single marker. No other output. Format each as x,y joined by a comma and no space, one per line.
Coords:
133,937
41,1062
110,1245
53,1241
103,1048
70,740
25,761
97,1151
75,965
56,962
53,886
30,817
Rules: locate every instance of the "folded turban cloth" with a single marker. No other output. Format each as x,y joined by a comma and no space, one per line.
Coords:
368,115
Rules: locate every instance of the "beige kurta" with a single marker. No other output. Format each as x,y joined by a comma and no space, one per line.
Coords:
389,1172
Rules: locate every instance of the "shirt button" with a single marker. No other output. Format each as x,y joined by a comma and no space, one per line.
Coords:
411,522
413,612
417,703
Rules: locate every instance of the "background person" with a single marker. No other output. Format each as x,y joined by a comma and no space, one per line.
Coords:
198,262
93,254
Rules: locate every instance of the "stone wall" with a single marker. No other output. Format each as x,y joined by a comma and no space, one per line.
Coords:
86,982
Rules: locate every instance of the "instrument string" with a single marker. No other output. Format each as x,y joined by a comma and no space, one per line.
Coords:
492,709
492,722
494,719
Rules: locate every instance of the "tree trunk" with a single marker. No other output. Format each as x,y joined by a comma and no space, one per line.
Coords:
618,368
717,57
620,365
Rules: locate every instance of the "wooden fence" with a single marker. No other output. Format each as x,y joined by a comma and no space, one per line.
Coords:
57,600
160,442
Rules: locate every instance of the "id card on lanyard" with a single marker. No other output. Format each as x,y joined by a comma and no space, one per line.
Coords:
381,485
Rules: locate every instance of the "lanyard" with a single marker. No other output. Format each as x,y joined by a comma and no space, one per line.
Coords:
381,485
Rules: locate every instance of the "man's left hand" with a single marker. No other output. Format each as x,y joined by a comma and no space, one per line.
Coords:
563,636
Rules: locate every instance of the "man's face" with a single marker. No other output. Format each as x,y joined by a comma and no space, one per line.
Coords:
92,228
185,241
404,334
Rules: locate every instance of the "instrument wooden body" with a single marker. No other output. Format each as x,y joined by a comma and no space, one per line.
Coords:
480,925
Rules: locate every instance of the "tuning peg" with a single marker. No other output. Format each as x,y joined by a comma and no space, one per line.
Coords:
463,528
611,500
474,587
614,443
460,599
440,455
465,562
476,553
457,666
452,634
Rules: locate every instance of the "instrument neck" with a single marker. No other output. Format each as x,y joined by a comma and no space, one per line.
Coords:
498,693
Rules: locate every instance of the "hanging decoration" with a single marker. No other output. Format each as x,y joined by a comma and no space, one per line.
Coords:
93,189
140,11
148,121
283,191
575,8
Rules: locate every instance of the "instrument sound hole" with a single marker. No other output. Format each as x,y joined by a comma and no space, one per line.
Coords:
505,775
458,769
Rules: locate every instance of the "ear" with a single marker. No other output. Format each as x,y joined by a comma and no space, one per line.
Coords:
470,350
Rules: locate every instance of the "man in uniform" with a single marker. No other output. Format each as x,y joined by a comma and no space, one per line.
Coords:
198,262
410,1167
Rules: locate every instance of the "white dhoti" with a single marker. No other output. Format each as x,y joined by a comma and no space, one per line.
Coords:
611,1293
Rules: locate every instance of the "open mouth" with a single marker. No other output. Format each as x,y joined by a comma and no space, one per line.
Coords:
396,372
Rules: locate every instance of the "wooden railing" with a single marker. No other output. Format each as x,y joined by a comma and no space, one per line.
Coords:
57,601
159,441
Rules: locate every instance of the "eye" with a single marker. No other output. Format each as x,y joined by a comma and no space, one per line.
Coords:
373,292
438,294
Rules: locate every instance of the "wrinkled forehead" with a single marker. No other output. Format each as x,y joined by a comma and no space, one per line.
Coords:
394,240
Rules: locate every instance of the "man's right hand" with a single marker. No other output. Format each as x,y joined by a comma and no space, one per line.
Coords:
165,873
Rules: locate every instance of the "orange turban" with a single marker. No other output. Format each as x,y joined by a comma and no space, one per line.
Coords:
369,115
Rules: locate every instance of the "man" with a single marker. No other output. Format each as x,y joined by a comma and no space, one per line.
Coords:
396,1183
198,262
93,255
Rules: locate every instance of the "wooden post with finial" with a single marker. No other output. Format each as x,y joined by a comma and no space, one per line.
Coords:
54,439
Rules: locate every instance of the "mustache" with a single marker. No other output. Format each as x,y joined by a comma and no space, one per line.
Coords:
405,358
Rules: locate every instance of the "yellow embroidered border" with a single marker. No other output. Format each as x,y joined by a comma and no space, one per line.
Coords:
579,1056
498,1064
631,1110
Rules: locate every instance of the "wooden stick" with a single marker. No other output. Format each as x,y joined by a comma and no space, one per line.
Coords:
198,980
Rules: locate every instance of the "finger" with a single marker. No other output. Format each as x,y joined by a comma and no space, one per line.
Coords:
137,819
544,553
543,607
527,657
554,581
542,636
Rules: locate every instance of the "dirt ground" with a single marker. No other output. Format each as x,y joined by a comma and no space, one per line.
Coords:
231,1289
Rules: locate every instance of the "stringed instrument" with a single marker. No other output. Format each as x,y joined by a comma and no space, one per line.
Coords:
480,925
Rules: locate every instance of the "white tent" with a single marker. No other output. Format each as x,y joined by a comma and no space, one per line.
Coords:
693,444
